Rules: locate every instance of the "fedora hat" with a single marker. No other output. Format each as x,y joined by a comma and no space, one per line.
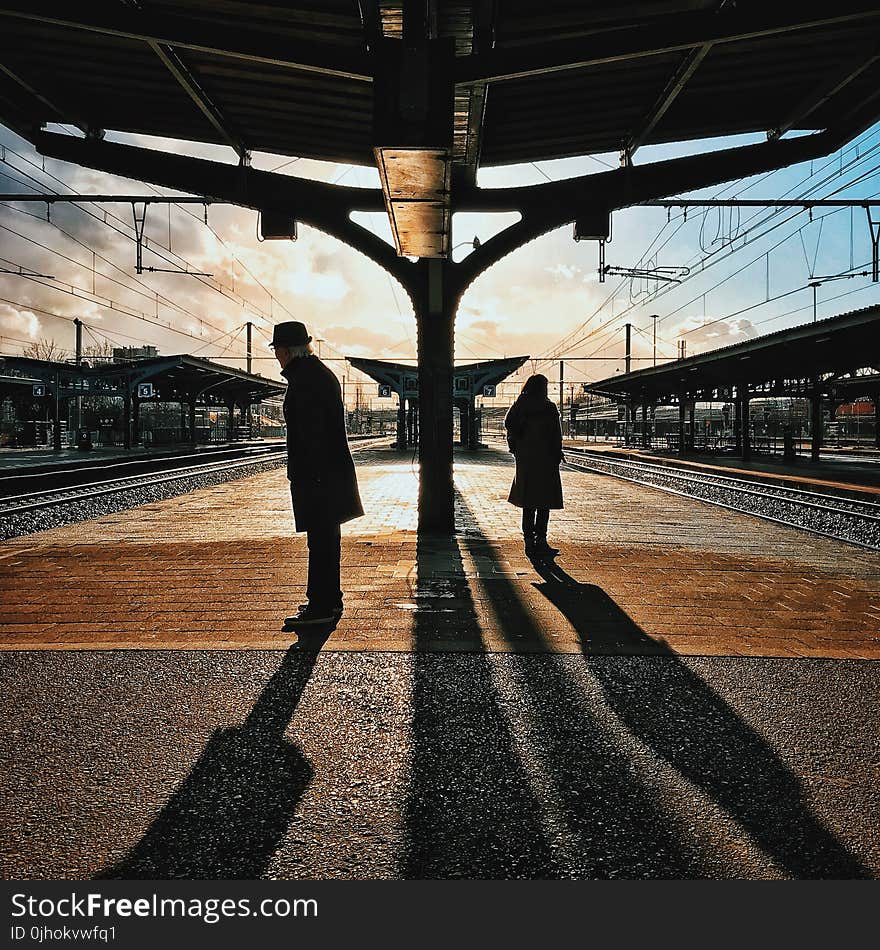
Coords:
291,333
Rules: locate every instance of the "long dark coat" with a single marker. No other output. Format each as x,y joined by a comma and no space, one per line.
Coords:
323,483
534,435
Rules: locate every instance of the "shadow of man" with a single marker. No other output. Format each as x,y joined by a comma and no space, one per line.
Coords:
679,716
470,809
227,818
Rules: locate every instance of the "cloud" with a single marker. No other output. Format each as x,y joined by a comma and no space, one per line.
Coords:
565,271
19,322
710,334
360,341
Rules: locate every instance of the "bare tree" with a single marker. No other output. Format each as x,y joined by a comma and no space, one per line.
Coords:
102,350
44,349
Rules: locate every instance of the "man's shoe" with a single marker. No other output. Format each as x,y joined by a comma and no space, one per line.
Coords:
309,616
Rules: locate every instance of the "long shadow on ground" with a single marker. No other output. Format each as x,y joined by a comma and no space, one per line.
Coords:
228,816
470,812
668,709
685,722
605,820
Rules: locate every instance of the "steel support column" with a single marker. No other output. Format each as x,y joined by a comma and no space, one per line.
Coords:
876,401
135,420
56,414
737,425
746,439
401,422
681,411
644,423
435,318
191,406
230,420
815,424
126,416
464,422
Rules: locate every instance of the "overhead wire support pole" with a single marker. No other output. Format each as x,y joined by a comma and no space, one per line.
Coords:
875,241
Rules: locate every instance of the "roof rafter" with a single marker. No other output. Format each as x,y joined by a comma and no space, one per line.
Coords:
674,87
857,63
63,115
669,34
182,33
193,88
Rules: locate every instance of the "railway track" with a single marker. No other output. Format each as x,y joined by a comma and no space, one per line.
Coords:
833,516
134,482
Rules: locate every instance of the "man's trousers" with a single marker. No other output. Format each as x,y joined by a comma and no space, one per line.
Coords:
324,555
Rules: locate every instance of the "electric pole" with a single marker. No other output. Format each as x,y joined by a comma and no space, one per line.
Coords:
79,344
561,392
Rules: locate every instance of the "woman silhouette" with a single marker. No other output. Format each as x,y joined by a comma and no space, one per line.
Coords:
534,435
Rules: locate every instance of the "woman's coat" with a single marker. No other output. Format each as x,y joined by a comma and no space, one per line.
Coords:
323,483
534,435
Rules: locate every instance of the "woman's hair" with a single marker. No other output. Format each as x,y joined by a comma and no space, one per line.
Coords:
535,386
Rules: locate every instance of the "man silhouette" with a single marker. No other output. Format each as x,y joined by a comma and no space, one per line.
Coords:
323,483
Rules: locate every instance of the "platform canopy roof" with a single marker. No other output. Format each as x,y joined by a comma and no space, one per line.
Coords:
534,79
505,81
403,378
781,362
174,377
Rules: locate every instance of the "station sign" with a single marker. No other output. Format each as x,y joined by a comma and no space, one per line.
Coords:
384,391
489,391
39,390
145,390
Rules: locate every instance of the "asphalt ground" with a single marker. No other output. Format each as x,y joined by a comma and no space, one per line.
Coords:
303,765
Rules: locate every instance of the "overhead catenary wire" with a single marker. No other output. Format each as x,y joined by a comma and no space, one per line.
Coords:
741,186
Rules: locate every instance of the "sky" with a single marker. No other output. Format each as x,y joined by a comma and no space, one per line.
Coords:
743,273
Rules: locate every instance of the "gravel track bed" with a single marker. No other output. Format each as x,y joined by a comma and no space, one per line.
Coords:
71,512
846,521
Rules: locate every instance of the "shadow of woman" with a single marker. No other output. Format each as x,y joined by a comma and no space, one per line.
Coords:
605,819
228,816
677,714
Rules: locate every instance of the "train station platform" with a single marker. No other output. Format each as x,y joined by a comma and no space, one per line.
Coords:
640,572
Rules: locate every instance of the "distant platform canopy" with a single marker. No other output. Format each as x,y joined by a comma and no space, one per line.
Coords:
841,352
469,380
167,378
